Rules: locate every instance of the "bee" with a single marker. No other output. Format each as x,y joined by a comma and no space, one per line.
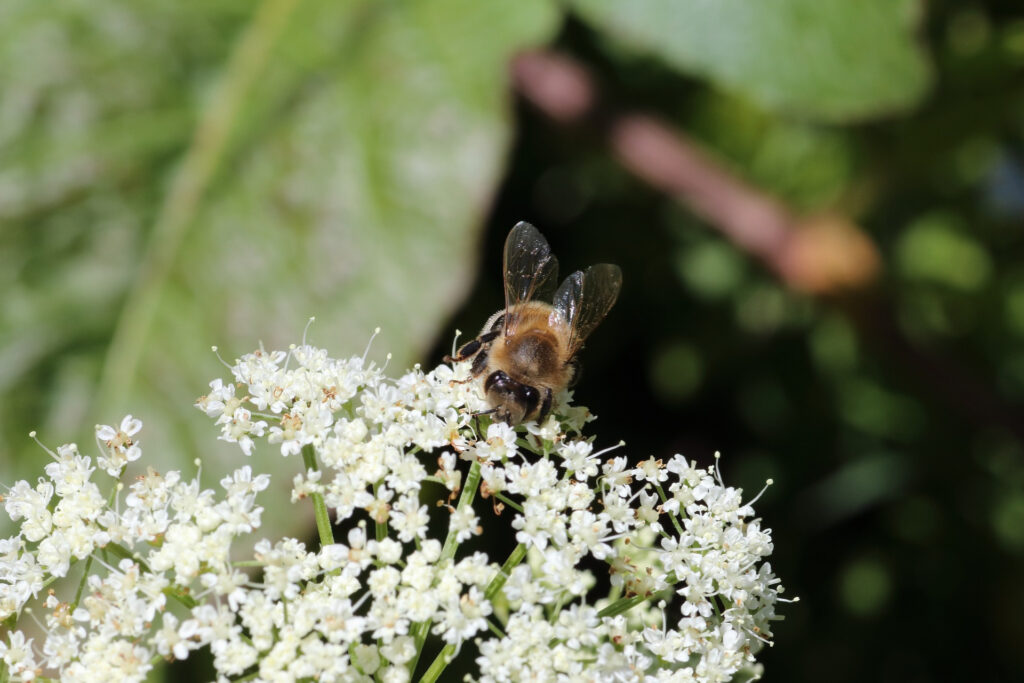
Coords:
526,352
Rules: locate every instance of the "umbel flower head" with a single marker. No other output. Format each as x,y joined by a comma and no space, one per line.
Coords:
155,570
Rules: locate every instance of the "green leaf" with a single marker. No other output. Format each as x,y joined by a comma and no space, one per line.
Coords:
827,59
939,248
344,157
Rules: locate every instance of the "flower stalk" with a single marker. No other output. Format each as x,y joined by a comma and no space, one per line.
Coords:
323,518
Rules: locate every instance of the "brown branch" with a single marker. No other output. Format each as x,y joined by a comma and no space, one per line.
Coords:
821,255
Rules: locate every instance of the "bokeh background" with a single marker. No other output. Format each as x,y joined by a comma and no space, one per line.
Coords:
818,206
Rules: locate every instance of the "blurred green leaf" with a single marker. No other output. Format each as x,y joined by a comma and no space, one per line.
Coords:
857,486
1013,305
351,180
676,371
1007,518
865,587
713,269
765,307
876,410
915,519
937,248
833,344
828,59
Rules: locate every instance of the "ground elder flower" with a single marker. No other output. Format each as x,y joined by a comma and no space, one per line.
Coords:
156,567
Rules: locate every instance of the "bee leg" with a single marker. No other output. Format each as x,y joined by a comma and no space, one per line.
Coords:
464,352
479,363
478,366
477,416
545,406
497,325
470,347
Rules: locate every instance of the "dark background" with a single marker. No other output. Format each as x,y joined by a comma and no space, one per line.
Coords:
898,512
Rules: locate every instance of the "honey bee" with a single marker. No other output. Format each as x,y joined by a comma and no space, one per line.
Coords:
526,352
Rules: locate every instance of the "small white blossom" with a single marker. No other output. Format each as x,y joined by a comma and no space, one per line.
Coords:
121,448
395,459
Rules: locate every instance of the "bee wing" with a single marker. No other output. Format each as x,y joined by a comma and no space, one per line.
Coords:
530,270
584,299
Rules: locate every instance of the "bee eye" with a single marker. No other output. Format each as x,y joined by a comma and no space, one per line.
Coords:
528,397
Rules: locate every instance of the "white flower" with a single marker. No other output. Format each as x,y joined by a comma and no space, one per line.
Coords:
18,658
121,448
221,399
345,611
238,427
409,519
30,504
464,523
461,620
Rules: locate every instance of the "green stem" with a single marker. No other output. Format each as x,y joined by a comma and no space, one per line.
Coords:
81,584
621,605
495,629
249,57
672,516
465,500
625,604
508,501
559,604
439,664
380,528
443,657
323,520
248,563
119,550
420,630
182,598
496,584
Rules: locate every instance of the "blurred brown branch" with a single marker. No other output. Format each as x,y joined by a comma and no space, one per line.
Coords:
825,255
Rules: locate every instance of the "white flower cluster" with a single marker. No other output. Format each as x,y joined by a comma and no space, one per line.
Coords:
166,538
686,594
666,530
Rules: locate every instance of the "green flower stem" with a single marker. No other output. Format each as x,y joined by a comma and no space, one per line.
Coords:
380,528
622,605
180,596
559,604
625,604
508,501
118,550
248,563
496,584
444,656
672,516
419,631
495,629
437,666
323,520
81,584
465,500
